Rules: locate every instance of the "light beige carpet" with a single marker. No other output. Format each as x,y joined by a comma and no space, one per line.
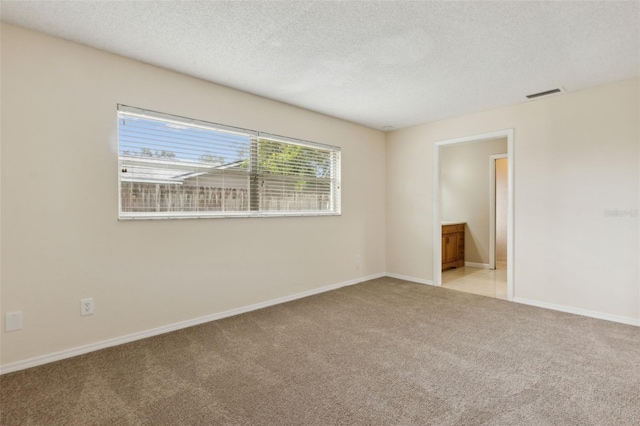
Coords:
385,352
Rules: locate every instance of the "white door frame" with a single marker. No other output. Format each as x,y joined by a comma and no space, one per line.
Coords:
492,207
437,202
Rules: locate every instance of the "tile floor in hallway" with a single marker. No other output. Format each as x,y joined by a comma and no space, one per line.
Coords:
485,282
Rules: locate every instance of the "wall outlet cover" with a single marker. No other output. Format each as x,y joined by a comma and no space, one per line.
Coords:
13,321
86,306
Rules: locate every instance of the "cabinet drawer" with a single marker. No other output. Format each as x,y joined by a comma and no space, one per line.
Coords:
450,229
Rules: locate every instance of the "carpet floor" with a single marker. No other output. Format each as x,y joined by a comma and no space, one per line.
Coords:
384,352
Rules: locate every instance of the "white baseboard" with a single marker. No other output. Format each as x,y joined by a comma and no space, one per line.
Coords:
578,311
79,350
477,265
407,278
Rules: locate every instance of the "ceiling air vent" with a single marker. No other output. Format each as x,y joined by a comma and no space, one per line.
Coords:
547,93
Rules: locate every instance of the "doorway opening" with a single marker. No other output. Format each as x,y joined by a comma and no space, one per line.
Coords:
473,220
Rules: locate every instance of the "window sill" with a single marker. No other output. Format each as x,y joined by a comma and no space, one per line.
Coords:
225,215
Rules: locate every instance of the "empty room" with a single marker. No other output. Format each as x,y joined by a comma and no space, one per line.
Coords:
319,213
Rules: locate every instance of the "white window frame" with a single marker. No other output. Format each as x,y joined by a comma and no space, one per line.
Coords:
335,179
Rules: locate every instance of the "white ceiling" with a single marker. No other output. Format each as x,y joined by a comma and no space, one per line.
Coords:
388,63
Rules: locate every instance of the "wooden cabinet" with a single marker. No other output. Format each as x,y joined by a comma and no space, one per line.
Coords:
452,246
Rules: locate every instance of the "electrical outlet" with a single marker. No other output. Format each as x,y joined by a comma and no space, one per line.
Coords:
13,321
86,306
357,259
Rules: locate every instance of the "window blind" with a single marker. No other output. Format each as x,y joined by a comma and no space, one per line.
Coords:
176,167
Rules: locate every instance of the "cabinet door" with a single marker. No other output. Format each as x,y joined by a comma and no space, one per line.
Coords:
449,248
460,256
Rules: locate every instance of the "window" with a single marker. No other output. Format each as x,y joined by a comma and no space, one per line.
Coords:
175,167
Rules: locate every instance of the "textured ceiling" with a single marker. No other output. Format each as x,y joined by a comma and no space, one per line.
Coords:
390,63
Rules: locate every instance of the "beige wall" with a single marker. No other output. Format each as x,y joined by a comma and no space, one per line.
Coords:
576,155
61,240
465,188
502,200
